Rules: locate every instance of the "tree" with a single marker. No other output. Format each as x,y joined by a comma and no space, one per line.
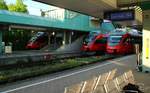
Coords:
21,7
17,37
3,5
18,7
12,7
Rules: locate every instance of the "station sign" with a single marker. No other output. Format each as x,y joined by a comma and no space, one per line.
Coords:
122,15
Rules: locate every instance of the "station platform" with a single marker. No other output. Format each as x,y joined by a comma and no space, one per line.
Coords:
129,63
121,65
144,78
24,55
55,83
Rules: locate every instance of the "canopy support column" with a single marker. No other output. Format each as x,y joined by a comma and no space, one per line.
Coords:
0,42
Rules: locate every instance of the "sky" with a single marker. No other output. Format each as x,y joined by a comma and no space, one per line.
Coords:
33,7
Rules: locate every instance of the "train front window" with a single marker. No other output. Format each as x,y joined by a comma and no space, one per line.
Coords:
101,41
37,36
33,39
114,40
91,37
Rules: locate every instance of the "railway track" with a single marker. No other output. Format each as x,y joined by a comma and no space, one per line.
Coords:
53,62
30,59
11,59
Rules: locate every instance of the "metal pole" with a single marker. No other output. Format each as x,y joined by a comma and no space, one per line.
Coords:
137,47
70,37
0,42
49,38
64,39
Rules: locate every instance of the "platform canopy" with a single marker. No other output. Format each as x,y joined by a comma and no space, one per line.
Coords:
89,7
96,7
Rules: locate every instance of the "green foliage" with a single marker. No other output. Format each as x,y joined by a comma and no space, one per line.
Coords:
12,7
21,7
17,37
3,5
18,7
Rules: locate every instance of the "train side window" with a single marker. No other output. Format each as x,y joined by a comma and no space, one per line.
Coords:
124,40
127,40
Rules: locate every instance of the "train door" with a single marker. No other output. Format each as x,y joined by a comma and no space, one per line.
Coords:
127,45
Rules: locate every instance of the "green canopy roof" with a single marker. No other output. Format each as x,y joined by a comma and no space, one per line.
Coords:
79,22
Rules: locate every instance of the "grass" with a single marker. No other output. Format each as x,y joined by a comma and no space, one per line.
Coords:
19,73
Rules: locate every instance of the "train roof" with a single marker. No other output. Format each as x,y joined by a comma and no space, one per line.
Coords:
132,32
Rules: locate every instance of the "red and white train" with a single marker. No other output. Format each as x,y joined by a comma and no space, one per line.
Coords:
119,41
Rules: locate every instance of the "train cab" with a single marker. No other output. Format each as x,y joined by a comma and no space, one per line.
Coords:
95,42
121,42
38,41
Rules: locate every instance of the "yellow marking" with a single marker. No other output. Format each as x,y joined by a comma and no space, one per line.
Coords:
147,48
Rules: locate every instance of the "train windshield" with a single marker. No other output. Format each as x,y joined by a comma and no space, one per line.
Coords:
36,36
33,39
91,37
101,41
114,40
